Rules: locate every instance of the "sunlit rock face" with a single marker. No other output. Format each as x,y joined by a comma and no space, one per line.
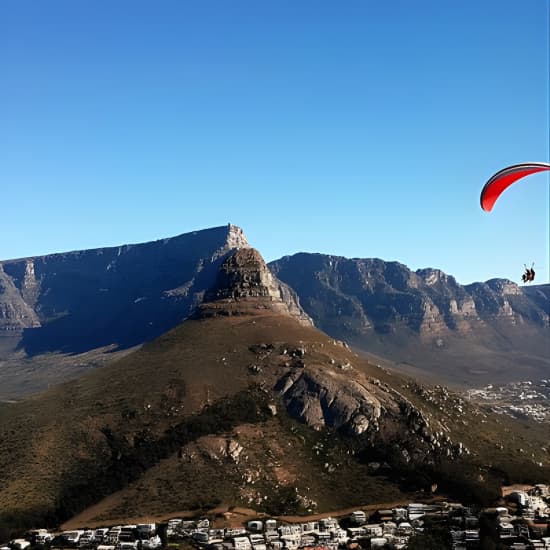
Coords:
477,333
16,313
244,284
371,294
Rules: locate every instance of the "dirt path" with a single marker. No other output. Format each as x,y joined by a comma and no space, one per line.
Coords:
365,508
224,516
84,519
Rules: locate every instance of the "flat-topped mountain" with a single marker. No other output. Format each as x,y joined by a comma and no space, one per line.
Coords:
246,403
425,321
122,295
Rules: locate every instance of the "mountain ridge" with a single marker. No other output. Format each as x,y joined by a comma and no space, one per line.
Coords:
26,275
64,313
235,237
424,318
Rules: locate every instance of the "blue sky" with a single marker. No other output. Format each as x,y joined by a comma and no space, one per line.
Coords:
357,128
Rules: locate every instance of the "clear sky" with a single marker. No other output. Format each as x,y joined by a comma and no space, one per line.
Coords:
359,128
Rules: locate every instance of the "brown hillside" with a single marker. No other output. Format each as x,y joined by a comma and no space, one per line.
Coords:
241,403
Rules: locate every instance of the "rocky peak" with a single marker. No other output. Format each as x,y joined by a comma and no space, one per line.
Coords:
504,286
432,277
245,274
245,283
235,239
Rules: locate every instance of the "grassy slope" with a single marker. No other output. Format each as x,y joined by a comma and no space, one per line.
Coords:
56,440
50,434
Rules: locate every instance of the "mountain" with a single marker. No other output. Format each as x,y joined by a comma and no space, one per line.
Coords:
246,403
64,313
424,321
121,295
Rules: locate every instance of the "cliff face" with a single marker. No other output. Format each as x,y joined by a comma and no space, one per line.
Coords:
77,301
386,296
15,312
425,317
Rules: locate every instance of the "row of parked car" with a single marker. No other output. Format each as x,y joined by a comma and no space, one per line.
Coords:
122,537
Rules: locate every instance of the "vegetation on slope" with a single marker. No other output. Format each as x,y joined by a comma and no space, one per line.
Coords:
129,426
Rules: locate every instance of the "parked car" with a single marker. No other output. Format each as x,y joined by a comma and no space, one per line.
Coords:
152,543
86,539
72,537
146,530
39,537
100,534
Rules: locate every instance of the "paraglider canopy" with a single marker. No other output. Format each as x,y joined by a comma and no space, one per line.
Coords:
506,177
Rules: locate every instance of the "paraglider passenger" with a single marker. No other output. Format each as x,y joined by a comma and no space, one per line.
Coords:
529,274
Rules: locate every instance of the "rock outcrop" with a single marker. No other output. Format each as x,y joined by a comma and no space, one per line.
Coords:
15,313
323,399
244,284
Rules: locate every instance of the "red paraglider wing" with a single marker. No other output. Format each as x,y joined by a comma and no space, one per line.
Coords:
506,177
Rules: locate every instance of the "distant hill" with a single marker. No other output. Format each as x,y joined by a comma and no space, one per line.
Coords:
245,403
424,322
